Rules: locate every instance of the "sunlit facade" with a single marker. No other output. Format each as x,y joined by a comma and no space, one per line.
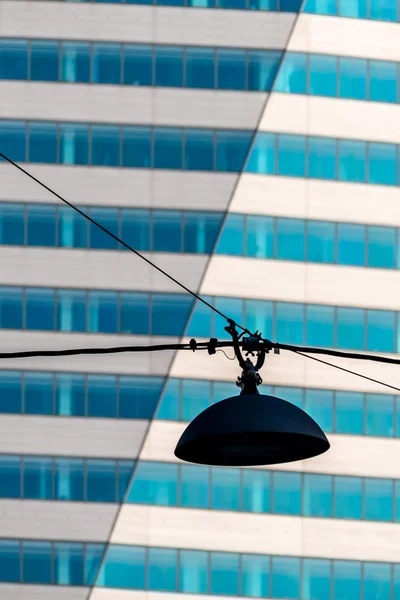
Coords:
251,149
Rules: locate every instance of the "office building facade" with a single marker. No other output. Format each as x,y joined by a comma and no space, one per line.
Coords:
251,149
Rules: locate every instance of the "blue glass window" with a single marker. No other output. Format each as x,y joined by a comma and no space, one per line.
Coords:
377,581
106,63
231,306
199,150
285,577
12,224
352,161
40,309
349,417
102,396
101,480
321,158
200,71
170,402
169,66
262,69
170,313
354,8
138,397
134,317
195,486
234,4
123,567
71,310
348,497
382,164
316,581
232,236
69,483
256,487
167,231
379,415
290,323
255,576
193,575
70,395
43,142
292,155
10,392
293,395
138,65
320,325
125,471
232,149
68,564
36,562
224,574
381,247
162,569
72,229
13,59
93,557
321,7
38,478
260,237
44,61
380,330
10,473
10,308
292,75
167,148
38,397
108,218
13,140
231,68
286,493
74,145
382,81
353,78
41,225
351,244
10,561
154,483
201,231
195,397
135,228
262,157
383,10
346,580
225,488
318,493
105,145
351,328
75,62
319,404
378,504
323,75
201,320
290,239
136,147
102,312
320,242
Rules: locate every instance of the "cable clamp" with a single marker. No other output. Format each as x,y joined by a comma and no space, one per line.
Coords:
193,344
212,346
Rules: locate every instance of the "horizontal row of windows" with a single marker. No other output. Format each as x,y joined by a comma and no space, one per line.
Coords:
125,146
295,323
135,313
79,395
339,77
201,149
260,491
196,232
270,5
197,571
78,479
139,64
155,230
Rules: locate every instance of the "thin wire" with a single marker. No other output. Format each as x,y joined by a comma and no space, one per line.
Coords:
228,357
115,237
337,353
324,362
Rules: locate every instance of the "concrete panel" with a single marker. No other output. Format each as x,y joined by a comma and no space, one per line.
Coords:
332,117
101,269
315,199
256,534
42,592
335,285
163,25
360,456
119,187
138,363
347,37
153,106
72,521
71,436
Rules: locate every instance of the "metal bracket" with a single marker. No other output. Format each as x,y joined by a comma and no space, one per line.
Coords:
253,344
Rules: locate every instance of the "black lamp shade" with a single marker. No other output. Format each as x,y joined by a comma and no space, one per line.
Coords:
250,430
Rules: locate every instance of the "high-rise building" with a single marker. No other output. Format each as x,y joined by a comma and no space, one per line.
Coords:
251,149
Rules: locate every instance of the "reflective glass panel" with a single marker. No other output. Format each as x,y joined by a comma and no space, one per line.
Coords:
170,402
323,75
70,394
318,493
348,497
170,313
13,138
195,486
290,239
71,310
379,415
169,66
136,147
44,61
292,75
349,413
68,564
378,501
354,8
193,574
168,148
154,483
382,164
201,320
381,247
36,562
135,228
138,65
13,59
74,146
200,67
69,479
162,563
224,573
285,577
353,78
352,161
38,478
256,491
321,7
11,300
232,236
316,582
10,473
351,328
134,313
106,63
102,396
40,309
123,567
351,244
201,231
195,397
383,10
292,155
93,557
72,229
320,241
42,142
382,81
233,306
199,150
138,396
260,236
377,581
262,69
10,561
380,330
290,323
225,488
255,576
320,325
125,471
101,480
102,312
322,158
167,231
105,145
262,157
75,62
12,224
38,394
346,580
108,218
231,69
319,405
10,392
41,225
232,149
286,493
